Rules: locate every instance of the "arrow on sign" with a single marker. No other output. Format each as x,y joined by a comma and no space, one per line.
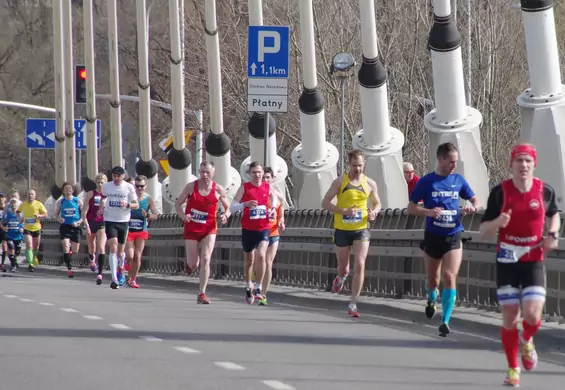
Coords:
51,136
83,131
36,138
253,68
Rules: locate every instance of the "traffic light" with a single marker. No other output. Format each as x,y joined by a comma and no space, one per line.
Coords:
80,84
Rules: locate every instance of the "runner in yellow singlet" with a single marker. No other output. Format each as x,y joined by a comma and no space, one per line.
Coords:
351,215
32,211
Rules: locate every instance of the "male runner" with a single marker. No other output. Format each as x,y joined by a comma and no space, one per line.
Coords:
138,232
120,200
32,212
13,228
517,210
200,227
3,242
94,223
440,191
254,197
276,222
351,216
68,213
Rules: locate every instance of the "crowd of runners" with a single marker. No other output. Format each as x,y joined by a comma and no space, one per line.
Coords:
116,215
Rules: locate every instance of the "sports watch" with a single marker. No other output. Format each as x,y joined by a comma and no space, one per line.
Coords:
555,235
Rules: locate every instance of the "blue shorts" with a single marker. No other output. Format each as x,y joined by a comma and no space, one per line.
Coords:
274,239
250,239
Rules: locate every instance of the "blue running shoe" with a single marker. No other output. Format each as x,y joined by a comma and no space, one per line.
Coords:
121,277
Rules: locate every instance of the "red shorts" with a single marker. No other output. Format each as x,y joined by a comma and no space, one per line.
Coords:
198,236
132,236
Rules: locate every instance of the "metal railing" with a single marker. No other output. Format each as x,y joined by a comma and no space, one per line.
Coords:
394,266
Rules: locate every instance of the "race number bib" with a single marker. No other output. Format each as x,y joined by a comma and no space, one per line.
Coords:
13,225
358,217
259,212
97,200
446,219
30,220
509,253
136,224
69,212
115,203
198,216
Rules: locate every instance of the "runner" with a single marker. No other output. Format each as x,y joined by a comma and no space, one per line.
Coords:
276,221
69,215
138,233
441,192
13,228
351,216
254,197
200,227
32,212
94,222
120,200
517,210
3,242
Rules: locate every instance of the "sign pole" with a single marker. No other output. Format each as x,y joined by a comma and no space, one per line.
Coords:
29,169
266,140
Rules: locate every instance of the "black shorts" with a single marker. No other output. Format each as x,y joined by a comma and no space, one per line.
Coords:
520,275
117,230
14,245
2,235
436,245
95,226
343,238
34,234
71,232
250,239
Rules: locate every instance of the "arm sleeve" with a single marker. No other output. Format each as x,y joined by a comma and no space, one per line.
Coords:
494,204
466,191
549,197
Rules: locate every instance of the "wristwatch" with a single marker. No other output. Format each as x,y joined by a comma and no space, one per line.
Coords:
555,235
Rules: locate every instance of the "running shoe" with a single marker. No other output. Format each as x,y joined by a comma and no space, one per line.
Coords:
430,309
133,283
202,299
529,355
93,265
338,284
443,330
99,280
30,268
512,377
263,302
121,276
71,274
249,297
114,285
352,311
258,295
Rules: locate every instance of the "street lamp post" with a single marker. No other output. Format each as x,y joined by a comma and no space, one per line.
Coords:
341,64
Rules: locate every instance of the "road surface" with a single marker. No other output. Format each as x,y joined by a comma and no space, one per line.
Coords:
57,333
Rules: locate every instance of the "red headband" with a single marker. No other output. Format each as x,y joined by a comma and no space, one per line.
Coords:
524,149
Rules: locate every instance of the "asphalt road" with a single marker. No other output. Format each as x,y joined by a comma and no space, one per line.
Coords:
63,334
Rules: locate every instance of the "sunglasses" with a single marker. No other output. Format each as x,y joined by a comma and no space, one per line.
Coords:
140,186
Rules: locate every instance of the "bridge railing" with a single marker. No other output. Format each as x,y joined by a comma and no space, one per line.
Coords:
394,267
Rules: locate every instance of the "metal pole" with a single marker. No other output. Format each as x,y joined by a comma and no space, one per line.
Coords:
79,166
116,110
266,140
342,124
69,94
59,65
91,135
469,52
199,136
29,169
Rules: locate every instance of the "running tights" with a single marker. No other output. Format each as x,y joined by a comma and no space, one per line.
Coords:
67,257
101,262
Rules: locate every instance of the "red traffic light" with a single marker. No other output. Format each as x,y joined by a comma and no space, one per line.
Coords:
82,74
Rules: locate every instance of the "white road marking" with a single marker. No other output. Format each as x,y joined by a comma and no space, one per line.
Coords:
26,300
277,385
186,350
11,296
45,304
68,310
120,326
557,353
89,317
150,338
229,365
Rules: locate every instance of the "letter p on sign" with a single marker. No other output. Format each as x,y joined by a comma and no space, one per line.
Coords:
263,49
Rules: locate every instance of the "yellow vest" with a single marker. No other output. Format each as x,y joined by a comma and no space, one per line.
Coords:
356,197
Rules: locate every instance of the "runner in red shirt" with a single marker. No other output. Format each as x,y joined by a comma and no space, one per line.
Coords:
255,228
517,210
200,227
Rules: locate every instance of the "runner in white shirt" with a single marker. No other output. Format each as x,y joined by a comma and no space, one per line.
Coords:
120,200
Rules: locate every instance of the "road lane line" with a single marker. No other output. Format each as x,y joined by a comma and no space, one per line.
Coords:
90,317
186,350
150,338
11,296
278,385
120,326
69,310
26,300
229,366
46,304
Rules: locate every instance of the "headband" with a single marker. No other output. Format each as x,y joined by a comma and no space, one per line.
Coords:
524,149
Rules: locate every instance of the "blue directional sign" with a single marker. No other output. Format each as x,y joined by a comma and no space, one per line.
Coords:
268,51
40,133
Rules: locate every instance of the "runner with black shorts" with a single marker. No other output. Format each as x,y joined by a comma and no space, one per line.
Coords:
441,192
69,215
352,214
517,210
94,223
2,232
13,228
120,200
32,211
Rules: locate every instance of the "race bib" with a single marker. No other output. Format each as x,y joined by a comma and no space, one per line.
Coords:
509,253
198,216
259,212
13,225
358,217
114,203
97,200
446,219
136,224
30,220
69,212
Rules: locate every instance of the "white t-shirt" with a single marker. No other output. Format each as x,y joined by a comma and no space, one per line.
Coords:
113,211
